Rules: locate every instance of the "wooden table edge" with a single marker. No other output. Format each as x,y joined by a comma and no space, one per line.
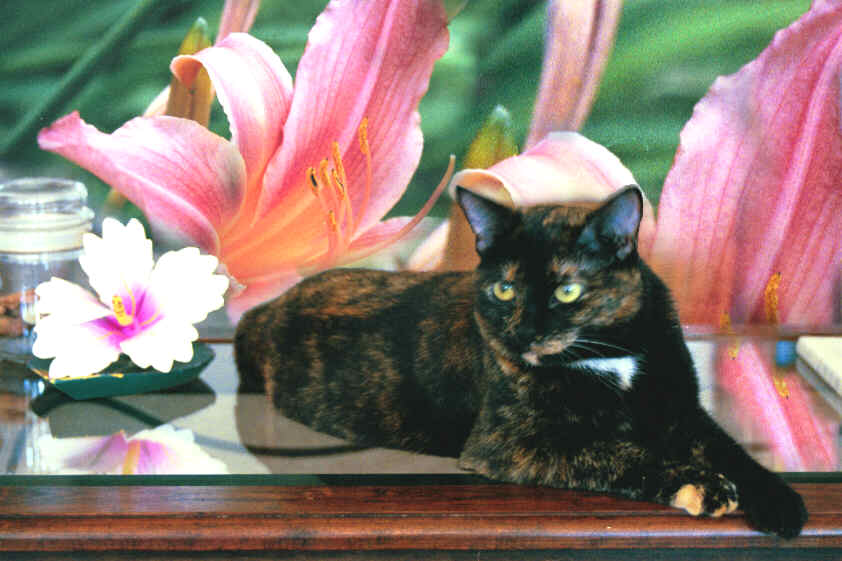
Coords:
241,518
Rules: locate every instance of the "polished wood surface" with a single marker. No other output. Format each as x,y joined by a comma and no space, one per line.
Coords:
395,517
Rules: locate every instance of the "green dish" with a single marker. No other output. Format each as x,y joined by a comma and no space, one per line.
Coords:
124,377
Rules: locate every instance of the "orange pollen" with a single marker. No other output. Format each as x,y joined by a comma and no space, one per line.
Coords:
770,298
331,220
362,134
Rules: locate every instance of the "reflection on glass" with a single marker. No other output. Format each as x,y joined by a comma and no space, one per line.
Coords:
785,416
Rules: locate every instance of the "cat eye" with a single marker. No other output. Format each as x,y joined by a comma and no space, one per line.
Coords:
504,291
568,293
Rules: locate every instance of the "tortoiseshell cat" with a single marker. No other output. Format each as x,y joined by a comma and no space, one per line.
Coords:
559,361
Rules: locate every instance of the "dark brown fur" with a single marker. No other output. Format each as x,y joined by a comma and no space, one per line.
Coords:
437,363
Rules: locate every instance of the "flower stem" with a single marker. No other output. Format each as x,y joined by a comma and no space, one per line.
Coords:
45,111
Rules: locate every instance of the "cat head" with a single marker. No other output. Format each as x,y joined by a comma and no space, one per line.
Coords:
555,281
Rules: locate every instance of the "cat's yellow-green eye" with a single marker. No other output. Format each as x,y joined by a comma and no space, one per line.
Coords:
504,291
568,293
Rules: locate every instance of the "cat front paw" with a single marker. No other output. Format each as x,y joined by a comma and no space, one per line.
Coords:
774,507
712,496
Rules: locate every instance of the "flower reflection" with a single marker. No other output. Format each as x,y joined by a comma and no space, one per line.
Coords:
164,450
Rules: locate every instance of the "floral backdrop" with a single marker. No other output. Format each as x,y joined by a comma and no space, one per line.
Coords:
744,215
666,56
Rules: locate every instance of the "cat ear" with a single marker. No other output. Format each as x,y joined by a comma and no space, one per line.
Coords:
613,227
489,220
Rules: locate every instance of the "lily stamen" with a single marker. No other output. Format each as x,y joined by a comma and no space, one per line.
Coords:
362,135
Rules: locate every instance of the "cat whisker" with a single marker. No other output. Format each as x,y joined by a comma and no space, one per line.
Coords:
604,344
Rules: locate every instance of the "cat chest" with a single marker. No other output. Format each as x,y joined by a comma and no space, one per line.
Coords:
616,370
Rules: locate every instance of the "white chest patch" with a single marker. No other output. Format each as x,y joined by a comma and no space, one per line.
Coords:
624,367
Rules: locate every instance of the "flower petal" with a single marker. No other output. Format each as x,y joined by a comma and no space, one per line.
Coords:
184,287
375,238
255,90
259,290
363,60
63,340
118,262
429,254
237,15
181,175
71,302
161,343
754,191
580,36
565,167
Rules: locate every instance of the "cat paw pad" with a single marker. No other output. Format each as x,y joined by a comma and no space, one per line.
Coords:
714,498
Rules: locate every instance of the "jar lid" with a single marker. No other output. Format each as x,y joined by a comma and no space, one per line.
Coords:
41,195
43,214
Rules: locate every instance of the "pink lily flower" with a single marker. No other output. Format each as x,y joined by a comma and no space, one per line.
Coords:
309,171
750,220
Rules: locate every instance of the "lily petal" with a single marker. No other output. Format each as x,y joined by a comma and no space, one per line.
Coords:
237,15
260,290
580,36
754,193
177,172
253,87
364,59
565,167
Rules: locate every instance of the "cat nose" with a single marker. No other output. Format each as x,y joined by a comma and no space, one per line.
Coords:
526,335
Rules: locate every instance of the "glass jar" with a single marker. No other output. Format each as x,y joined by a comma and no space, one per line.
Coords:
42,221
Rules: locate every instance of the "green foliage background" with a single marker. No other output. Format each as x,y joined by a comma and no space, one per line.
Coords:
667,55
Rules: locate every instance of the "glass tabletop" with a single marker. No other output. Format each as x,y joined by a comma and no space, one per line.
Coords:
783,413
